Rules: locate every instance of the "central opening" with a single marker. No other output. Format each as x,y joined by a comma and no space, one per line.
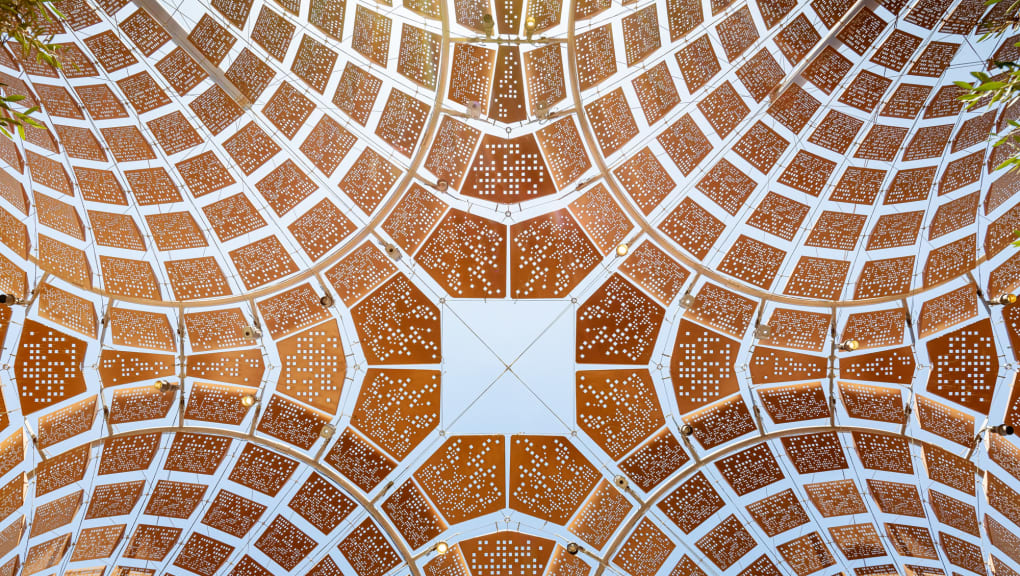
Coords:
508,367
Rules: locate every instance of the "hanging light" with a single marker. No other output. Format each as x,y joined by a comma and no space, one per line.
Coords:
622,249
849,345
247,400
442,548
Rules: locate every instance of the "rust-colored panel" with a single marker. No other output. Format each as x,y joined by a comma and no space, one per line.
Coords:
656,460
722,309
596,56
645,550
451,150
750,469
359,461
141,329
291,422
912,541
151,543
413,218
416,520
175,499
645,180
55,513
292,310
876,329
116,230
883,452
217,403
974,347
508,170
402,121
67,422
895,366
946,421
215,329
727,543
549,477
836,498
62,470
232,514
368,551
617,408
131,278
203,555
506,554
692,503
465,477
543,72
619,324
947,468
601,217
813,453
114,499
47,367
778,513
128,453
695,384
858,541
397,408
794,402
549,255
953,512
285,543
601,515
774,365
118,367
507,103
65,261
321,229
807,554
466,254
197,278
397,324
321,504
263,470
68,310
612,121
896,498
196,453
97,542
721,422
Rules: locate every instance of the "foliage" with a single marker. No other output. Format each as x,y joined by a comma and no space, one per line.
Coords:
25,22
1001,89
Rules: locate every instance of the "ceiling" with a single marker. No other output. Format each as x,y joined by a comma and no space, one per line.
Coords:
311,286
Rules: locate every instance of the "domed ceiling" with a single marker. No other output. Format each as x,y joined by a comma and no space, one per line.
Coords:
667,287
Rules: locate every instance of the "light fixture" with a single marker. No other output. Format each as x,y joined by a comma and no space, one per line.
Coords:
1005,299
9,299
530,25
621,250
573,548
849,345
474,109
488,23
441,548
251,333
687,430
442,185
621,482
327,431
326,301
1002,430
392,251
247,400
164,386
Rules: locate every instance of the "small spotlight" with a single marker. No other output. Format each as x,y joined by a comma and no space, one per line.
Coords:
573,548
164,386
247,400
687,429
392,251
621,482
1005,299
442,548
849,345
327,431
252,333
326,301
443,185
530,25
622,249
1002,430
488,23
9,299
